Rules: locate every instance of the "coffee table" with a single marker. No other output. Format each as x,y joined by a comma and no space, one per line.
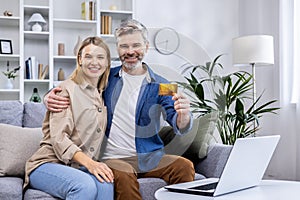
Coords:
267,190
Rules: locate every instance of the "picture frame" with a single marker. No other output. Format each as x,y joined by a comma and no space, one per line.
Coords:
6,47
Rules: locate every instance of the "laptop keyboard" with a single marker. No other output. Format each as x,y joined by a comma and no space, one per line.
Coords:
209,186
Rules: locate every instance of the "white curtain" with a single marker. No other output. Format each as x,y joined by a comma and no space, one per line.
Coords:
288,157
296,52
296,79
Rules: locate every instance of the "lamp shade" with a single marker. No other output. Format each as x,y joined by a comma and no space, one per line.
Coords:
36,18
253,49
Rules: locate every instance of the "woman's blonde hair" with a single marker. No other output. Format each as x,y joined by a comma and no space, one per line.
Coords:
97,41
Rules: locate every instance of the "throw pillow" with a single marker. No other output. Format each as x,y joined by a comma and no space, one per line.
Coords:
34,114
17,144
11,112
194,144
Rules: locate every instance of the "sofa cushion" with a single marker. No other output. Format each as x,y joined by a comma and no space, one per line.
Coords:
195,143
11,188
148,187
17,145
11,112
32,194
214,163
34,114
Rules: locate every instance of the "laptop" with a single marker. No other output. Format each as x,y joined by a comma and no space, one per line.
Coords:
245,167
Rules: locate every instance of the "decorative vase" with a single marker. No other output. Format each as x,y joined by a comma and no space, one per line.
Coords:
61,49
61,75
77,45
8,84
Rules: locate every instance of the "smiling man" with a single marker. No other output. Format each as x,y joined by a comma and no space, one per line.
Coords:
133,147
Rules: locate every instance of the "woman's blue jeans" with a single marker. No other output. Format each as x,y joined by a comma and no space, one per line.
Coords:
69,183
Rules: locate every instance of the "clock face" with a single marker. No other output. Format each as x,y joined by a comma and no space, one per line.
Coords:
166,41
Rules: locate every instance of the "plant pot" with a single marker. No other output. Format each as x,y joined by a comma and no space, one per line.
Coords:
8,84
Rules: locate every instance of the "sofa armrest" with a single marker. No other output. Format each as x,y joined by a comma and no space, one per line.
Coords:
213,164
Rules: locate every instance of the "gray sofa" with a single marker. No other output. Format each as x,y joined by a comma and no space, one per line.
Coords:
20,133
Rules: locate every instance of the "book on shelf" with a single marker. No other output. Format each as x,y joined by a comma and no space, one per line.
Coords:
91,10
28,74
31,69
106,24
45,72
34,70
88,9
40,71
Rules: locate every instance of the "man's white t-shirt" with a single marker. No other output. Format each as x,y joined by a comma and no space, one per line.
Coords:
121,141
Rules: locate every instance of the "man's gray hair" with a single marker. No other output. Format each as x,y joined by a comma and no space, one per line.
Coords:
131,26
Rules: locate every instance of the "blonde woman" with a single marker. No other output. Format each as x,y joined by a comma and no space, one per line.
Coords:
66,164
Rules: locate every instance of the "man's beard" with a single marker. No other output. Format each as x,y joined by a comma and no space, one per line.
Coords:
131,66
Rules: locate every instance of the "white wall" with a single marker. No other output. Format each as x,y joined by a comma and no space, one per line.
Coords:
210,23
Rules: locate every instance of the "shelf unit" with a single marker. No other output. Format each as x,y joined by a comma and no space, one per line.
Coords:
62,26
36,44
10,30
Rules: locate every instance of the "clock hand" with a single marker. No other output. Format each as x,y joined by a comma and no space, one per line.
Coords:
166,42
161,42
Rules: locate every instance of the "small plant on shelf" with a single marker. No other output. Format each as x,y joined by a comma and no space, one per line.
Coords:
11,74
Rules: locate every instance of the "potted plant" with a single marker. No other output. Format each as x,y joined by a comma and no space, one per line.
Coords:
237,113
10,74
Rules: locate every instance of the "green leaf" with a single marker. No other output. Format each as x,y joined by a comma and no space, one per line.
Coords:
232,98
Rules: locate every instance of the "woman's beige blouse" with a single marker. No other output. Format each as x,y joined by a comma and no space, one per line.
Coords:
81,127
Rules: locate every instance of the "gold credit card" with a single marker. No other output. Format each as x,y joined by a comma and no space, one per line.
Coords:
167,89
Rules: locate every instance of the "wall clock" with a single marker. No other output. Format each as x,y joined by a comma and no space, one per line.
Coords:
166,41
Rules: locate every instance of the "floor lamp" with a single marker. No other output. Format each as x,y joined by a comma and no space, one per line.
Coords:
253,50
